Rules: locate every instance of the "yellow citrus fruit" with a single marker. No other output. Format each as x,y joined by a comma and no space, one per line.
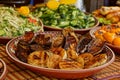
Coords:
116,41
67,1
109,36
53,4
24,10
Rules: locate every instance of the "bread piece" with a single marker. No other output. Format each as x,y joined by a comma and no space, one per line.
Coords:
105,10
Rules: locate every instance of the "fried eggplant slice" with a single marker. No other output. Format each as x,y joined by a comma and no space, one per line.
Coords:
70,65
59,51
58,41
70,37
98,60
37,58
44,40
53,61
22,51
82,45
71,53
87,57
95,46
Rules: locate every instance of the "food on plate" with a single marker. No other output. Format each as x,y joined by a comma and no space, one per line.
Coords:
109,37
64,16
37,58
36,52
86,57
106,10
108,15
116,41
109,33
13,24
70,64
97,60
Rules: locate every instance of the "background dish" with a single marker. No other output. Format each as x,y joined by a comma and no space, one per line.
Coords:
80,31
57,73
116,49
4,39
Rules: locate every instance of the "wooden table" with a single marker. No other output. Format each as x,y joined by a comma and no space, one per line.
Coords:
18,73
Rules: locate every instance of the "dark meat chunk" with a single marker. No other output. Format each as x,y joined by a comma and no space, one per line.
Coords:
44,40
58,41
23,50
83,44
28,36
35,47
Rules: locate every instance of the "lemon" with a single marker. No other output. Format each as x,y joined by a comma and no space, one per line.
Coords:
24,10
53,4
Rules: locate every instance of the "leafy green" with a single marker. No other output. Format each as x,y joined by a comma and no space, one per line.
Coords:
65,15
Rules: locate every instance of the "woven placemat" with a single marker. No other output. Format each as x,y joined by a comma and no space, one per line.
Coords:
20,73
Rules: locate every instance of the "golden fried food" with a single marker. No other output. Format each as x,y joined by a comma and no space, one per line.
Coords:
71,53
81,61
109,37
108,15
109,33
105,10
118,23
101,58
53,61
113,14
115,19
60,51
86,57
37,58
97,61
78,55
70,65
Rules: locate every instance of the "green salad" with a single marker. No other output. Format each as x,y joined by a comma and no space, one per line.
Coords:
12,24
63,16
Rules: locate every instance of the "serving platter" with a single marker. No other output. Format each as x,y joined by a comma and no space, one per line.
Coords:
58,73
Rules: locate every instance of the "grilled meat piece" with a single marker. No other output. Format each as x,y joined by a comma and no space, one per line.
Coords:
58,41
22,50
70,37
44,40
28,37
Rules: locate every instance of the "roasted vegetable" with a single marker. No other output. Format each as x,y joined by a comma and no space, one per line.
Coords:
46,50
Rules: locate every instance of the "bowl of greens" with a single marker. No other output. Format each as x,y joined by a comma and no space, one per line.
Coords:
12,24
65,16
